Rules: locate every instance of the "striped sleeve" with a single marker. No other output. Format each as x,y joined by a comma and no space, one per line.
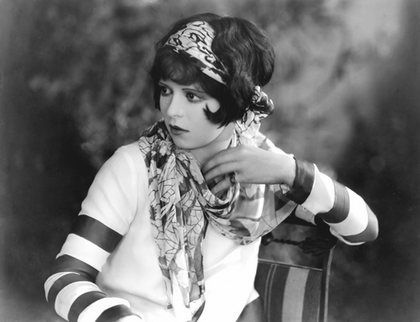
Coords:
71,289
349,217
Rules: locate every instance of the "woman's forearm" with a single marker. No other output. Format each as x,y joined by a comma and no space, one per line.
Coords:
348,215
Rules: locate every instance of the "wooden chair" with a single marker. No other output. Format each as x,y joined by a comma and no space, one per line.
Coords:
292,277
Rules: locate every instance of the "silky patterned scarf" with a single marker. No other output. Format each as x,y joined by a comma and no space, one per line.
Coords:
182,205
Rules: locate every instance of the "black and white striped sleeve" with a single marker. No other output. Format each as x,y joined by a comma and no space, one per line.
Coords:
101,224
349,217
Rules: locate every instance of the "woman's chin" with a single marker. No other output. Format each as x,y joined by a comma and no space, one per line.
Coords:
181,144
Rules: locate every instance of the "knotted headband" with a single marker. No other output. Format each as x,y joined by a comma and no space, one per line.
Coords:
195,39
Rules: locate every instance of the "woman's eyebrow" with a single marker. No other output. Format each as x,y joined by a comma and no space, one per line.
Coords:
194,89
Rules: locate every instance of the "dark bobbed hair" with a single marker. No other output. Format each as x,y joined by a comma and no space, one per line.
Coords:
244,50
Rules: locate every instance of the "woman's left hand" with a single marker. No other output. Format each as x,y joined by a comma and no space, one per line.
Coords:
249,164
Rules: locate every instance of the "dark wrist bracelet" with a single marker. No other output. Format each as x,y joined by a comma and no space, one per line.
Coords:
304,180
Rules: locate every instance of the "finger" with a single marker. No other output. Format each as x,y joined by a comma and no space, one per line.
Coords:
221,186
224,156
221,169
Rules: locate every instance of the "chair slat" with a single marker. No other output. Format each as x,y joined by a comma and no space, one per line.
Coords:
312,302
294,294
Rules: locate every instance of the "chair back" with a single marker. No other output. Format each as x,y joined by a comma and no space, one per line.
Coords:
292,284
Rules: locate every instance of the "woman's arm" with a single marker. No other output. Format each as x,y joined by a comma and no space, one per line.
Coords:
104,218
349,217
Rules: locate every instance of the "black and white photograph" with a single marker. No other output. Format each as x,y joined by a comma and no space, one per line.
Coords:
209,161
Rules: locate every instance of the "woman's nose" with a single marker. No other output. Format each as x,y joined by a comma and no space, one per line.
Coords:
175,107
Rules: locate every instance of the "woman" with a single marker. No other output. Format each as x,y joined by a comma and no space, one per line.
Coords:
171,226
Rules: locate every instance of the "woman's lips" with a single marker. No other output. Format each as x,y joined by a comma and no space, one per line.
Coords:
176,130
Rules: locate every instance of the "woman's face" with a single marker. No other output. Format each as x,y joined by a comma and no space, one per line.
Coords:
183,108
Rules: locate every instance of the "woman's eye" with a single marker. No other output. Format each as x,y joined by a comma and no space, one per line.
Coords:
164,91
192,97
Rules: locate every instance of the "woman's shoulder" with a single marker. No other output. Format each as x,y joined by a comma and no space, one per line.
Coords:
130,150
128,156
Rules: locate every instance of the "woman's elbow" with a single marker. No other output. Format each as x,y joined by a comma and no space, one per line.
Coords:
372,230
370,233
373,227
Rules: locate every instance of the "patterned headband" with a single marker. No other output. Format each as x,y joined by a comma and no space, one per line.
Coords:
195,40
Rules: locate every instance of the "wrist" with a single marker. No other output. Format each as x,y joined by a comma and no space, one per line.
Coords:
284,170
291,172
303,181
